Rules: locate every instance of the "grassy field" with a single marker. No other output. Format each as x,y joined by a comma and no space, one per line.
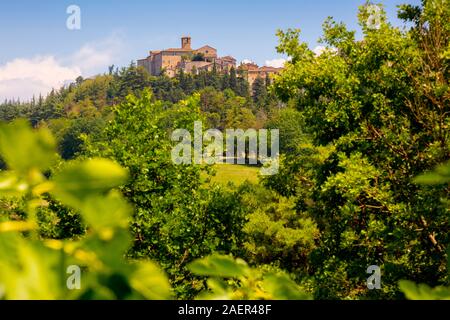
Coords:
237,174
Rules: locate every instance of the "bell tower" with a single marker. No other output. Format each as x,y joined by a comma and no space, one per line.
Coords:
186,43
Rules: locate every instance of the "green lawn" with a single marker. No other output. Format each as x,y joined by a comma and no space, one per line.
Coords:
234,173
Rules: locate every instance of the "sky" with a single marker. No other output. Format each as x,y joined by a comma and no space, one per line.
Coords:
38,51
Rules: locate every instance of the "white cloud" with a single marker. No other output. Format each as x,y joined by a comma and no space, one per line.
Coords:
276,63
246,61
321,49
95,57
22,78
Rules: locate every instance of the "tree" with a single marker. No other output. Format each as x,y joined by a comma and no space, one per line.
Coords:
233,80
225,83
132,80
34,267
198,57
289,122
242,85
239,117
71,143
259,92
79,80
186,82
213,78
175,220
376,112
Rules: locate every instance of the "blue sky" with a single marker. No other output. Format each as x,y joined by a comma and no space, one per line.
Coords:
116,32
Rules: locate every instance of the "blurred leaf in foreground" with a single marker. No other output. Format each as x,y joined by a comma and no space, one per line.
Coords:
24,149
440,175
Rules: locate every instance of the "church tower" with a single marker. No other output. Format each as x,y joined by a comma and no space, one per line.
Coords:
186,43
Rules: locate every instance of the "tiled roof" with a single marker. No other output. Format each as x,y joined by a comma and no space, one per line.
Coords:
249,66
205,47
228,58
270,69
178,49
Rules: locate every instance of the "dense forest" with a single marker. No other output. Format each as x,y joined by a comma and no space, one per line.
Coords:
87,177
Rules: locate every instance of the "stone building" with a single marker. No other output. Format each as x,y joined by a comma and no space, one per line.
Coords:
251,71
192,61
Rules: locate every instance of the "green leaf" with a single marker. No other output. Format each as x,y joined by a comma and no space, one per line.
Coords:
24,149
415,291
218,290
80,180
150,281
28,269
281,287
106,212
11,185
109,248
440,175
219,266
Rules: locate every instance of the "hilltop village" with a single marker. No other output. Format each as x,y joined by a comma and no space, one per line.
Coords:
172,60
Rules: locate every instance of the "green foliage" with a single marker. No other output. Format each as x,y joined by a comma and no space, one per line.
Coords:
225,109
176,220
259,91
424,292
198,57
277,233
40,146
289,122
374,118
440,175
93,176
71,141
57,221
366,122
219,266
243,282
36,269
414,291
